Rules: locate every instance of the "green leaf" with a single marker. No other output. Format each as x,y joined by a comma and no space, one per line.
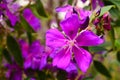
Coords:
116,23
26,25
29,35
40,8
117,44
70,2
116,2
15,50
105,9
88,78
34,10
102,69
61,75
27,78
115,13
41,75
0,54
112,36
7,55
92,17
118,56
96,49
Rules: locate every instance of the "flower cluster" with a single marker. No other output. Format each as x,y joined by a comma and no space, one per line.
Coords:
33,55
63,48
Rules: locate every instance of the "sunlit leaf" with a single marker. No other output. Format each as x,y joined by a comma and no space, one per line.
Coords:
117,44
14,49
112,36
92,17
102,69
105,9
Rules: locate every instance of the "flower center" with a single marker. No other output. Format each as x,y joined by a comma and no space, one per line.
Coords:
71,43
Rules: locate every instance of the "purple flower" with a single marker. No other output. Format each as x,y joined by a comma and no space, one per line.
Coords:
24,48
67,8
14,72
64,8
69,42
13,7
84,15
70,10
34,55
10,12
32,19
83,1
106,21
96,3
96,21
13,18
72,71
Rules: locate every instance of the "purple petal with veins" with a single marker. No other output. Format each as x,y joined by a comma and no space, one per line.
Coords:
83,58
70,26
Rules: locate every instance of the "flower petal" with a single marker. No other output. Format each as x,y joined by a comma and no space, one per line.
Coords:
35,48
71,68
83,1
68,14
36,62
43,61
54,38
94,5
32,19
84,22
12,17
83,58
100,2
62,58
84,13
63,8
88,38
106,21
14,7
70,25
24,48
28,62
72,71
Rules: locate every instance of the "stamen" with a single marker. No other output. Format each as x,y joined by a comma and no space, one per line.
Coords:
78,34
